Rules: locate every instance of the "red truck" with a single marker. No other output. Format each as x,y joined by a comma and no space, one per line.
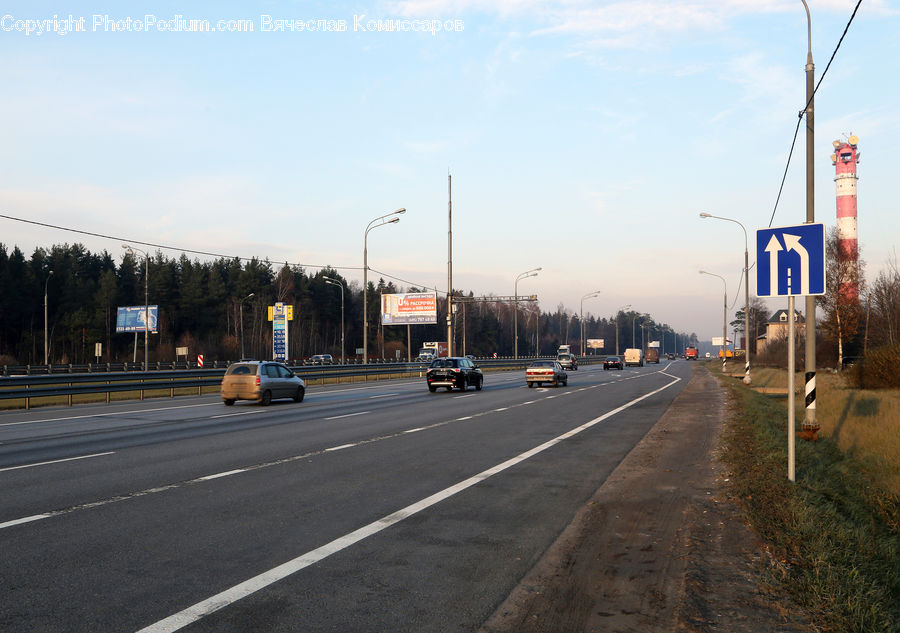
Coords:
690,353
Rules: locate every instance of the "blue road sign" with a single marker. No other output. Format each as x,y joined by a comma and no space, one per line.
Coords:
790,261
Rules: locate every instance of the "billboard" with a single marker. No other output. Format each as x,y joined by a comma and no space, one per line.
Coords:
653,344
595,343
131,319
409,308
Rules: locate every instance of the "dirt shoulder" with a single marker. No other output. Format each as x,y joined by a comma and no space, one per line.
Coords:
659,547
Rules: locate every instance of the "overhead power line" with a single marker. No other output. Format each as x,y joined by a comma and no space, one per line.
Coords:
803,111
207,253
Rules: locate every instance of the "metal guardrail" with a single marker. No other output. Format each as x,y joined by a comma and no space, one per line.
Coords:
27,387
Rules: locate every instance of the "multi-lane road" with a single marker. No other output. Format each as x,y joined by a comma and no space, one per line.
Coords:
378,507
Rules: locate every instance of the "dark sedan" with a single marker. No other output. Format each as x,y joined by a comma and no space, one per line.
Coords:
453,373
612,362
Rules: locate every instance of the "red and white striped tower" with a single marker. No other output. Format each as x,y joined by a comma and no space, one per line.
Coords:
844,159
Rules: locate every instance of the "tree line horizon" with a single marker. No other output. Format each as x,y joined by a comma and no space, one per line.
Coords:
201,304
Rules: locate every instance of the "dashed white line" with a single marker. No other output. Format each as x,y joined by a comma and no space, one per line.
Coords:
107,415
347,415
220,475
56,461
231,415
339,448
35,517
242,590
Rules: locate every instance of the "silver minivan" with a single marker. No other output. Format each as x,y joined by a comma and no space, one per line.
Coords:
262,381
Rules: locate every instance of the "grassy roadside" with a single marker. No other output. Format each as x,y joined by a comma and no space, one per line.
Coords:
834,535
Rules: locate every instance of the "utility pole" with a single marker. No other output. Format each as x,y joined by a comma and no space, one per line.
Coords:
449,266
809,423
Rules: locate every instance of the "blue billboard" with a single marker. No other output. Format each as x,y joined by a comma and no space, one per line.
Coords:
131,319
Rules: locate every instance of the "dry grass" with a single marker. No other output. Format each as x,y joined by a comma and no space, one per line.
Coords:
864,424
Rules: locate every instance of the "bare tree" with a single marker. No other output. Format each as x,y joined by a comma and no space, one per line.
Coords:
844,283
884,304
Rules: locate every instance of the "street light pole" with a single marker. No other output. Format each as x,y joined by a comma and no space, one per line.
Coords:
334,282
724,313
379,221
242,323
617,325
528,273
131,250
581,315
746,296
46,353
809,423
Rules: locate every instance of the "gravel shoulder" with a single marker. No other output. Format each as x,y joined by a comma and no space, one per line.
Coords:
660,546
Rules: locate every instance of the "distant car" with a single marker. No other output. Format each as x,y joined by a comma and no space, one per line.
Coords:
322,359
612,362
262,381
541,371
453,372
568,361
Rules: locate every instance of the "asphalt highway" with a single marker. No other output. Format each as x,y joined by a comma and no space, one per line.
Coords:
367,507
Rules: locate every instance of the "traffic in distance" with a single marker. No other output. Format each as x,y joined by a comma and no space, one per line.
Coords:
176,506
265,381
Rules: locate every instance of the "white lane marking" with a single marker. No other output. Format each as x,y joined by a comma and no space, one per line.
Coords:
468,417
105,415
347,415
231,415
468,395
242,590
501,409
415,430
56,461
384,395
339,448
35,517
219,475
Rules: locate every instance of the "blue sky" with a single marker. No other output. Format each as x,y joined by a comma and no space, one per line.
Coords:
583,137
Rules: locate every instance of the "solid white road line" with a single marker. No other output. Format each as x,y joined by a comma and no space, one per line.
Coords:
248,587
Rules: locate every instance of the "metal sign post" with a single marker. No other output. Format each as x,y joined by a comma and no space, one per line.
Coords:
791,263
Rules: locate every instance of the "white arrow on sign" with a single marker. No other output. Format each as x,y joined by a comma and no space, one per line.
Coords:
772,249
792,242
